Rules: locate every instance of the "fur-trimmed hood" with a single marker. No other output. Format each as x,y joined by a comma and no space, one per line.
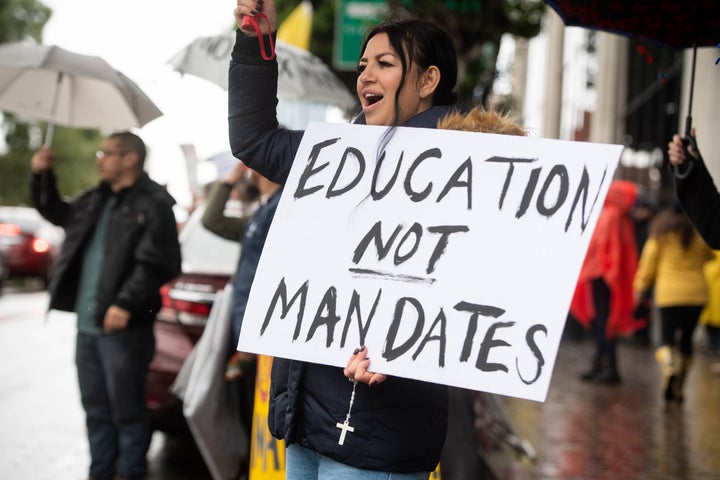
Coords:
479,120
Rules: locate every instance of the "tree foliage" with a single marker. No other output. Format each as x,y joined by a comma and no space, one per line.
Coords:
22,19
74,149
477,27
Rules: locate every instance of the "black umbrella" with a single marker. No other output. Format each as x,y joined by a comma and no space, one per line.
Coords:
673,23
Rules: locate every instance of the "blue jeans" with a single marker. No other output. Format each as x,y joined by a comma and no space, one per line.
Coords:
111,373
304,464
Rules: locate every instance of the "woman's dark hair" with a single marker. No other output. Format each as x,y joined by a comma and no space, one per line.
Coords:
426,44
670,220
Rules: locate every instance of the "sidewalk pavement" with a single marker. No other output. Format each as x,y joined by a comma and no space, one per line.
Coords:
589,431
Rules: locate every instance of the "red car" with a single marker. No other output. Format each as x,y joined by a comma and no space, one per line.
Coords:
29,244
208,263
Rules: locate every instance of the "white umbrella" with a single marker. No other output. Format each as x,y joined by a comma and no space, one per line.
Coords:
49,83
301,75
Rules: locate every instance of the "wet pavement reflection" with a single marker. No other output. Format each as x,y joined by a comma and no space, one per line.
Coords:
595,431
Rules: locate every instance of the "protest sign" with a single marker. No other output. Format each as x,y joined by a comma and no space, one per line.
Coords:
452,256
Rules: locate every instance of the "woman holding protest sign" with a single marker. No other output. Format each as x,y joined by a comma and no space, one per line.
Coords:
346,423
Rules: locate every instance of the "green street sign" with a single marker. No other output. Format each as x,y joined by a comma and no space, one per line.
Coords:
353,19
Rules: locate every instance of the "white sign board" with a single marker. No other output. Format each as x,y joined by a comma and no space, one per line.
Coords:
453,256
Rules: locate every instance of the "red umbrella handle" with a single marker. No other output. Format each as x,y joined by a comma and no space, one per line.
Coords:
252,23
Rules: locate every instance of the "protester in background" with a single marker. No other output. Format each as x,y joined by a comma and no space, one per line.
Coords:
672,261
695,190
407,71
250,230
121,245
603,298
710,316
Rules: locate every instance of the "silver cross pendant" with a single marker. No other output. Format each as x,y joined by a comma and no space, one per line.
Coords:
345,427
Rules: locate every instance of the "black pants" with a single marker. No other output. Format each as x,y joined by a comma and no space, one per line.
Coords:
682,320
605,347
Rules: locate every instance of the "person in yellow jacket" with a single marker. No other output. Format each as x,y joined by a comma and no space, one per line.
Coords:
710,316
672,260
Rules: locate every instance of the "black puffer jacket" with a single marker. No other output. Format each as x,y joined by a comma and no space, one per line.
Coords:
141,245
400,424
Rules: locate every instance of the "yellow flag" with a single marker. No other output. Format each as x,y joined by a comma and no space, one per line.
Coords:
267,454
297,27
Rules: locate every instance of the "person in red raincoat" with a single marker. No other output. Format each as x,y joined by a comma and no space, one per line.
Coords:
603,297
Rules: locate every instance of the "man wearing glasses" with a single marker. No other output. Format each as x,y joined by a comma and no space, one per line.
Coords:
120,246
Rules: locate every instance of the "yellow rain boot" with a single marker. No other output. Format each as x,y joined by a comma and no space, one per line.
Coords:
667,358
683,367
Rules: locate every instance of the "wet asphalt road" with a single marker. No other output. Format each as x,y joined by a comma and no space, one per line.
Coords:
582,432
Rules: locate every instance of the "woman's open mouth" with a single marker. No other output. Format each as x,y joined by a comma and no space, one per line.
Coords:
372,99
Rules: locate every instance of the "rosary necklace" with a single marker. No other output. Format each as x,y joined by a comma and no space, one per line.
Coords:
345,426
